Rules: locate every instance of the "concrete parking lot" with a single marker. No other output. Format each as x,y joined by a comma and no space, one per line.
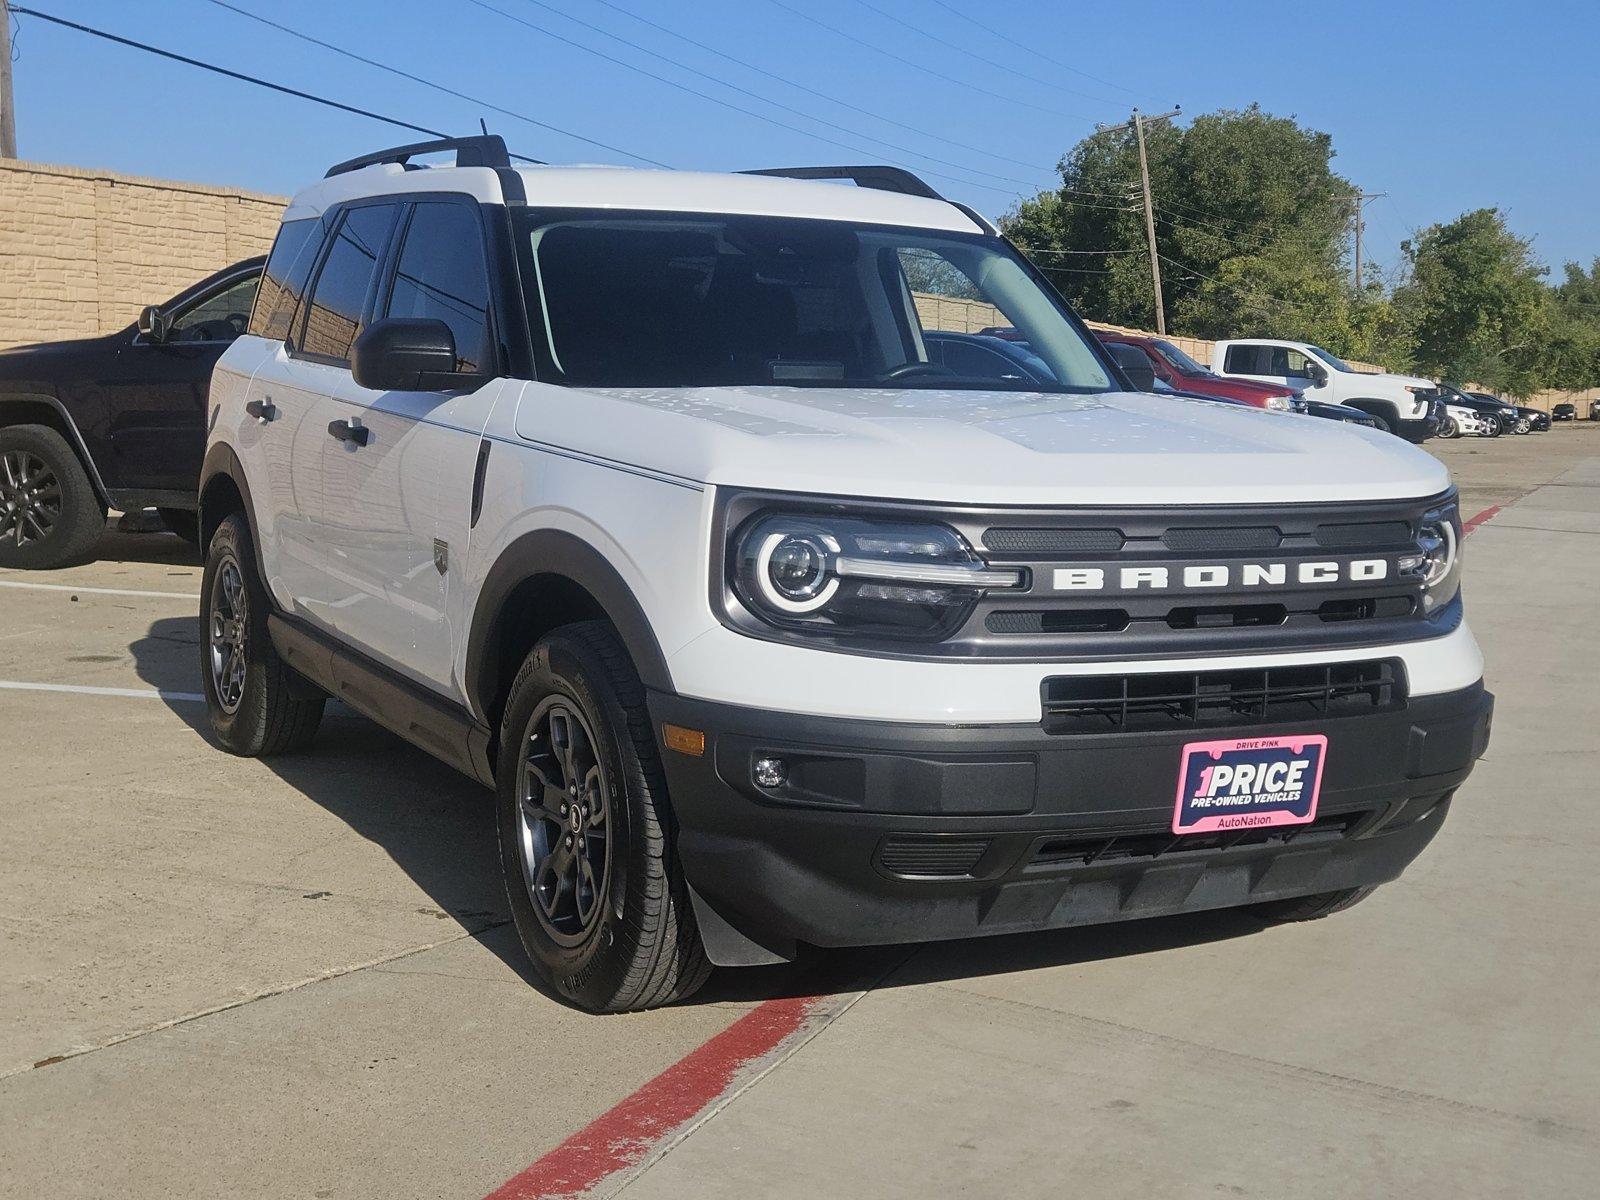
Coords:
296,977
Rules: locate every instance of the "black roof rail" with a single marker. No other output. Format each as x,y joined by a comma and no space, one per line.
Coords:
479,150
879,178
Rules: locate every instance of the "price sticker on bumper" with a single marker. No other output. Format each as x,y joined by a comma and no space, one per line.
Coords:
1249,783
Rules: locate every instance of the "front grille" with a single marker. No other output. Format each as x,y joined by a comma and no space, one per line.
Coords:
1051,543
943,858
1239,539
1190,699
1084,850
1367,536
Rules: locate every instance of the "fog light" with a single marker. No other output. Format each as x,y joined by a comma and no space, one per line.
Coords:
771,772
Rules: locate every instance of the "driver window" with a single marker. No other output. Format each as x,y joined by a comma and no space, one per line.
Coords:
1297,365
220,317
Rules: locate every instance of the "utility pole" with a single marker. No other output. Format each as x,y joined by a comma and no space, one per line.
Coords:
1360,200
8,119
1137,124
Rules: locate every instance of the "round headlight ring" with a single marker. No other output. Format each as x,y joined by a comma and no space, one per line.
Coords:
795,571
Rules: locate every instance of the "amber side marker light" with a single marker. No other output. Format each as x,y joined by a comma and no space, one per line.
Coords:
684,741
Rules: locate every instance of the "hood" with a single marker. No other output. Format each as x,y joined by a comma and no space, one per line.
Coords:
1243,388
980,446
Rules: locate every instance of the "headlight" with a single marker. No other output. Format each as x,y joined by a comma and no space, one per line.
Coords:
1437,565
846,576
1280,403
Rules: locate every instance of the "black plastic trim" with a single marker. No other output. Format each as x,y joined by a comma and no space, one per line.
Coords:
425,719
74,437
566,556
479,150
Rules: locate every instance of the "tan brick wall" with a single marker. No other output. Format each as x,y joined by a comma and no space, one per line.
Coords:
82,251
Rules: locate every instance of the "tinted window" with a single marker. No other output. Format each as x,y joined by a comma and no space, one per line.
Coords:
219,317
979,362
441,276
285,278
340,293
1249,360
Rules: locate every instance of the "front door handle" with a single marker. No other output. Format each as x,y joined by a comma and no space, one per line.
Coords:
262,410
355,435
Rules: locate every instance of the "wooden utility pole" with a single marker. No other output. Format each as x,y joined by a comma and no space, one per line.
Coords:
1360,199
1137,124
8,119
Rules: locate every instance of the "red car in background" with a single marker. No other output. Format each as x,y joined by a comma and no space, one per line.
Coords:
1176,369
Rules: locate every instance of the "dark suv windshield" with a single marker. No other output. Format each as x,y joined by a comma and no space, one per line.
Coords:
690,300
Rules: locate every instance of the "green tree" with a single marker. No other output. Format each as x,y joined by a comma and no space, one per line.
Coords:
1251,221
1475,304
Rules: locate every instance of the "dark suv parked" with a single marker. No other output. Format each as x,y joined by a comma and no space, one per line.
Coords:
113,422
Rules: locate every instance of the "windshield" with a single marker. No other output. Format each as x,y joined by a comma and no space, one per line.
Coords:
1180,360
706,301
1336,363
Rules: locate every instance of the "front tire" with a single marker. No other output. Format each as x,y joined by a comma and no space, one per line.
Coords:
258,705
1524,425
586,836
1381,425
49,514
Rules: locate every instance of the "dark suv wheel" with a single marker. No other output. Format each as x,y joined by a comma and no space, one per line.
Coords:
586,836
258,705
49,514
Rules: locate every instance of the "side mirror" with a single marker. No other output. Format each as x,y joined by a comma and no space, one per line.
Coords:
154,325
1319,375
1134,365
408,354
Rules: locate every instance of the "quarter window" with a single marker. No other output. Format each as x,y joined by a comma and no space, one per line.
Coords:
441,275
340,294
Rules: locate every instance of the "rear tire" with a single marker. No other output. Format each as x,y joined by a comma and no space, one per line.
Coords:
587,842
49,514
1448,429
1310,908
258,705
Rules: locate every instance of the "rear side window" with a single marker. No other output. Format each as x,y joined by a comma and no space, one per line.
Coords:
1249,360
441,275
339,296
285,278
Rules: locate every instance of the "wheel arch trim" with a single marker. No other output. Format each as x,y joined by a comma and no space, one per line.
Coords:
554,552
74,435
222,462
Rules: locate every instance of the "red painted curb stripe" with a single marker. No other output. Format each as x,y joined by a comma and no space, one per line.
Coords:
1468,526
621,1137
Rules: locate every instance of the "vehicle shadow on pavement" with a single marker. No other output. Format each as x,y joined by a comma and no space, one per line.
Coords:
168,549
439,828
435,824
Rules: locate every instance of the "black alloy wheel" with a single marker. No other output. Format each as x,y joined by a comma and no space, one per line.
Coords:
565,837
30,499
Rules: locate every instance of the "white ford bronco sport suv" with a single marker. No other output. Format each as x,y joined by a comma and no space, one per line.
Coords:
1407,405
637,496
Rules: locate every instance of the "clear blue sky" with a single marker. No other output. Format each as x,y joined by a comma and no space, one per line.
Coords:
1446,106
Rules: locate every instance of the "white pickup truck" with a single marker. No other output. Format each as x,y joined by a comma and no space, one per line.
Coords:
1403,404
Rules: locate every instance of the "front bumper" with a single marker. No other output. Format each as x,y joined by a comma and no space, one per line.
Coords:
889,832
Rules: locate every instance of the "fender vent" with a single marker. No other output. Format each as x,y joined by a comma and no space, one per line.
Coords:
933,857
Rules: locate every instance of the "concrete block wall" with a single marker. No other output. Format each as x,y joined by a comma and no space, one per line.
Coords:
82,251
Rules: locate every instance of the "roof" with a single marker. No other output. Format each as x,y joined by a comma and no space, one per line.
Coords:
625,188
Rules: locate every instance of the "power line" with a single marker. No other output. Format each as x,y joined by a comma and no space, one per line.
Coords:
428,83
916,66
819,94
683,87
973,54
757,96
239,75
1055,62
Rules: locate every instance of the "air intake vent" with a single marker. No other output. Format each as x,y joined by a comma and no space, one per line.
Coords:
1179,700
1223,541
1110,848
1052,543
1366,536
938,858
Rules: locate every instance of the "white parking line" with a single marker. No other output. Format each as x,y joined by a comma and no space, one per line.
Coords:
94,591
16,685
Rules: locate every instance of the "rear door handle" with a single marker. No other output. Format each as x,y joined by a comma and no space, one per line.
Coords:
355,435
262,410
